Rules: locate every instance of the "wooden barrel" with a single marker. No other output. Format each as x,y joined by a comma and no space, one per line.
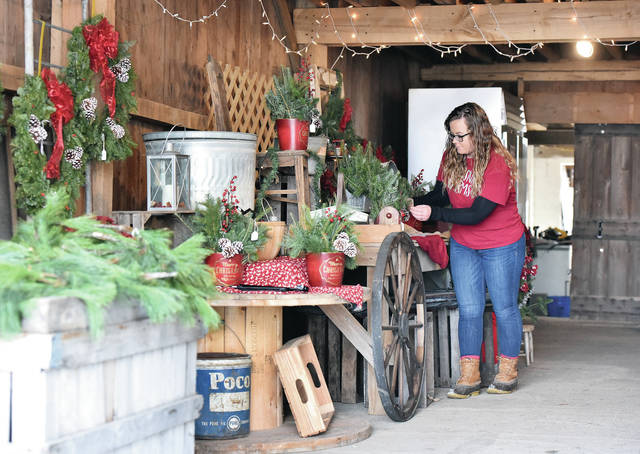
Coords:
224,381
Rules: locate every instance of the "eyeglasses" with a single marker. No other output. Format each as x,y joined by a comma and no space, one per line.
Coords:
458,137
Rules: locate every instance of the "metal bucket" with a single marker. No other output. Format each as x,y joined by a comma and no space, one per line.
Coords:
216,156
224,381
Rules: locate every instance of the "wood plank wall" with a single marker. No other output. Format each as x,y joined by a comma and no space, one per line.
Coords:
378,88
169,57
606,230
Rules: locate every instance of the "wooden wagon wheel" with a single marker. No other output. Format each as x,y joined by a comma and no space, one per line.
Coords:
397,319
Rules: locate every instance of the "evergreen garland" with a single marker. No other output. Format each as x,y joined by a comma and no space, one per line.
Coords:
321,166
269,179
51,255
29,163
331,116
81,131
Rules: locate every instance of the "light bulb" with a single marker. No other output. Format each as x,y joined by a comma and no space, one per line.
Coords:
584,48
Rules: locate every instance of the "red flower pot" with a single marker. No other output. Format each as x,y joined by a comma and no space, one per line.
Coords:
292,134
228,271
325,269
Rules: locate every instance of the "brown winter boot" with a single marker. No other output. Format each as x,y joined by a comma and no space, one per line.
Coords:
469,382
506,380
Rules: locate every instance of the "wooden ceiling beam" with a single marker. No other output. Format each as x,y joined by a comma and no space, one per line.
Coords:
581,107
521,22
544,72
406,3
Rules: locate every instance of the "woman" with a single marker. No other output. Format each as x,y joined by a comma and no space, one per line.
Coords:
477,178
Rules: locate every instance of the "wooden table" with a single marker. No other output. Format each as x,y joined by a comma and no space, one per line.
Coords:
253,325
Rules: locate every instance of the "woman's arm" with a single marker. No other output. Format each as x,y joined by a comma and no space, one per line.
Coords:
478,212
437,197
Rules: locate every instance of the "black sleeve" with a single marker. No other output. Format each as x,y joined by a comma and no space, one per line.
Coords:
438,197
478,212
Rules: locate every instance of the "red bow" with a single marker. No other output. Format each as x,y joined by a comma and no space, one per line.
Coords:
102,40
346,116
62,98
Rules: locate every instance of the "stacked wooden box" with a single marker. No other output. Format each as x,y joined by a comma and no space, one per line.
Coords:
131,390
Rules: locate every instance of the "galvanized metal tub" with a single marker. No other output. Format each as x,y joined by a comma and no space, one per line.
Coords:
216,156
224,381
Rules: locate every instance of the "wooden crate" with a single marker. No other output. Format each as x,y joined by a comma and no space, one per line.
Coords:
132,390
304,386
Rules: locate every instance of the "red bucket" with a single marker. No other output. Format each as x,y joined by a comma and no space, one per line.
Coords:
228,271
325,269
292,134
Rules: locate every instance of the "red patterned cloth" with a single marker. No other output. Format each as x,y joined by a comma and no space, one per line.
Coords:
351,293
280,272
434,246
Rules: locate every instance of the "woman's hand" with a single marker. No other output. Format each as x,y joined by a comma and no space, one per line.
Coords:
421,212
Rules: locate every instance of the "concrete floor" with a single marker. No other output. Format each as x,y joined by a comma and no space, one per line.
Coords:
581,395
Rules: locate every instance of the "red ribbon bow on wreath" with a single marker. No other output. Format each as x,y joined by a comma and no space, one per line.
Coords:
102,40
62,98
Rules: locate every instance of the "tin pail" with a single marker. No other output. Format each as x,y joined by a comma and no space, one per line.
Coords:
224,381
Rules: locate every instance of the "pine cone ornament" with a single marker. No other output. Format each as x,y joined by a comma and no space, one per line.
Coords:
343,236
223,243
74,157
37,131
116,129
340,244
89,106
238,246
350,250
121,70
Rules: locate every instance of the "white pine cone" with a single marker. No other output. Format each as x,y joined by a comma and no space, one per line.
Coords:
238,246
351,250
118,131
121,70
340,244
228,252
34,122
343,236
70,155
224,243
89,106
76,164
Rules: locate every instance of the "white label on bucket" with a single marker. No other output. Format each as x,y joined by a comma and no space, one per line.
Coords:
228,401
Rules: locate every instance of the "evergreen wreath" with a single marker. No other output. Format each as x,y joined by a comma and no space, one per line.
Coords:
83,134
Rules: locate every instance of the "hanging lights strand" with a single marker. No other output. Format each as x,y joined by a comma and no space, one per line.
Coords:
587,35
421,35
274,35
201,20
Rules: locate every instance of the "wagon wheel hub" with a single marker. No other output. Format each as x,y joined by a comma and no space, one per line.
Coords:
403,326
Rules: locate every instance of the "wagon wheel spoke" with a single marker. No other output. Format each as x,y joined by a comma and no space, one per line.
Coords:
396,364
387,298
391,350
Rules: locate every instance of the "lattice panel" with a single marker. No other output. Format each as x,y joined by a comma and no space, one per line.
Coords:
245,97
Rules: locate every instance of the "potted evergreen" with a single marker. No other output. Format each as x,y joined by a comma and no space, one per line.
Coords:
292,106
234,238
329,241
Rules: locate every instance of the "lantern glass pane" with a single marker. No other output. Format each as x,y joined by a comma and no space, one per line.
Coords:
182,170
161,183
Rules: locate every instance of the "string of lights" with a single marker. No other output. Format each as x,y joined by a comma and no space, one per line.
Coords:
420,33
274,35
345,46
587,35
520,51
202,20
422,36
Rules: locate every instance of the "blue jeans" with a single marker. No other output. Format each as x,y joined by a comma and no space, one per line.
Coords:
499,268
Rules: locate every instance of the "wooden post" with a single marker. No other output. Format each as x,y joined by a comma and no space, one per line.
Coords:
219,114
102,172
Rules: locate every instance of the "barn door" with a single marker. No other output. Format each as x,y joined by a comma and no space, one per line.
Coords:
605,284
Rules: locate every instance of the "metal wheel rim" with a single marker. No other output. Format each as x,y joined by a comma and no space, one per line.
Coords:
398,366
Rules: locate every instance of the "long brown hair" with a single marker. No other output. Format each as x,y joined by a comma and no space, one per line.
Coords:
484,139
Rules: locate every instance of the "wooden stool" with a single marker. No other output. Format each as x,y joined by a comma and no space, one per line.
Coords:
304,386
299,161
527,333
